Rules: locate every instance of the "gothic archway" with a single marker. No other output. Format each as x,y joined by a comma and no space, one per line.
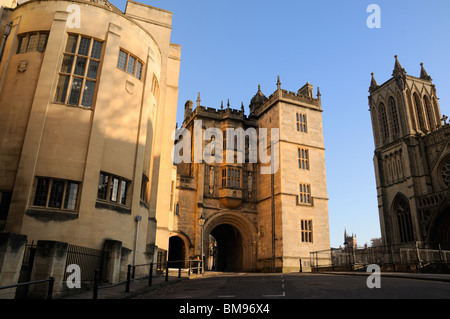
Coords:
401,214
440,227
235,237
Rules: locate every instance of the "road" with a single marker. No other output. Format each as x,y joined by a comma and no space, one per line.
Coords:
298,286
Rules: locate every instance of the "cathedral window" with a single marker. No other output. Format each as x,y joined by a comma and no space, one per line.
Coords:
79,71
419,110
306,230
445,172
383,122
56,193
394,115
428,112
301,123
303,158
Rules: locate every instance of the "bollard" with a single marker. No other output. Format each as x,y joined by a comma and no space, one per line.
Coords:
167,271
179,271
95,292
127,286
50,288
150,275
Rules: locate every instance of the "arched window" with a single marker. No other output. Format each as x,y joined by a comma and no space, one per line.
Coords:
419,112
383,122
429,113
437,112
402,212
394,115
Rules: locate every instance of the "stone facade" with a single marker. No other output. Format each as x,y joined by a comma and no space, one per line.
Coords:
412,159
253,221
86,112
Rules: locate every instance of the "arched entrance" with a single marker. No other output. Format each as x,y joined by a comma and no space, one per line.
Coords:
225,248
177,252
440,229
229,241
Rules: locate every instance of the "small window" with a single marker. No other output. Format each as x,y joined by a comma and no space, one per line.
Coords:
303,158
301,123
130,63
305,194
306,231
113,188
56,193
31,42
144,188
231,177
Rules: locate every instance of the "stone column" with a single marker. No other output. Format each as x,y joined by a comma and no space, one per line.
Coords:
113,251
49,261
12,248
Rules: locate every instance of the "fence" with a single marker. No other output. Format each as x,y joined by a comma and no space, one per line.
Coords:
195,266
411,256
87,259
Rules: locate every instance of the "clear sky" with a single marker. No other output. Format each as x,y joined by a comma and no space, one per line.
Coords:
229,47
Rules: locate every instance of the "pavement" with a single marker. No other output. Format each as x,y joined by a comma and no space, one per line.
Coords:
137,286
140,286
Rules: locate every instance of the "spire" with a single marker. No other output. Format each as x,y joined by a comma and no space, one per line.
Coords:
278,83
228,104
399,71
423,73
373,84
198,99
221,105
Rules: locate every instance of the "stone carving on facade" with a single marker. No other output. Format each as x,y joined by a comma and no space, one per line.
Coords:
23,65
250,185
211,180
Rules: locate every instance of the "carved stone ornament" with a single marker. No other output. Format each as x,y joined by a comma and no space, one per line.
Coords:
23,65
129,87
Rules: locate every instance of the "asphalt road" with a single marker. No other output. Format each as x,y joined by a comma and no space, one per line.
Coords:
240,286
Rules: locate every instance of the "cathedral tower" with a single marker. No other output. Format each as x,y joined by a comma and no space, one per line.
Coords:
412,158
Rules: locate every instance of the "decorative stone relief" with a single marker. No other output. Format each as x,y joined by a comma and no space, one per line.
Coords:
23,65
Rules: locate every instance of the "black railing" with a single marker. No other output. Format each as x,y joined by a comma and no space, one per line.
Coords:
51,282
195,265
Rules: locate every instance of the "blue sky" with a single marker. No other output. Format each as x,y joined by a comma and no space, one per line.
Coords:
229,47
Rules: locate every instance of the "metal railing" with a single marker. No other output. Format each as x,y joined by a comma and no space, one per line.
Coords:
163,266
51,282
413,255
87,259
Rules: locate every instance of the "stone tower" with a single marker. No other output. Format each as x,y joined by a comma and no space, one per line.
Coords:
412,159
260,220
